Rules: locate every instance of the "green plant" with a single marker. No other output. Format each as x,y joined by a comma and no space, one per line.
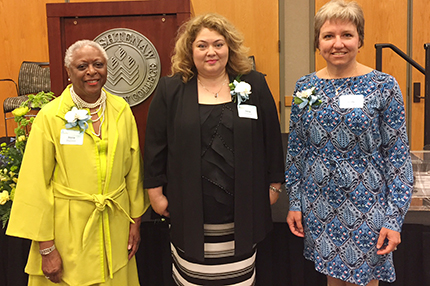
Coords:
11,155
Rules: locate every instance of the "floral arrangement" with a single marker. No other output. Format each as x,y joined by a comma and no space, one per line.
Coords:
11,155
307,97
239,90
77,117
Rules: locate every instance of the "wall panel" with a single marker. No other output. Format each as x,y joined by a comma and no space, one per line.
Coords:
421,35
24,36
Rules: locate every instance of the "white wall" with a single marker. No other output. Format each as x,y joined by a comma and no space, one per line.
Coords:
297,55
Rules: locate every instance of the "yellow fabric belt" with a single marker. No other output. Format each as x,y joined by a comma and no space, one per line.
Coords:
101,201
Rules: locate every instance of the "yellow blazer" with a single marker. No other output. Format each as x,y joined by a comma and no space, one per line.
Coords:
61,195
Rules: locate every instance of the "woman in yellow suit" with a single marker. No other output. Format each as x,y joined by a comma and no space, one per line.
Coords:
79,196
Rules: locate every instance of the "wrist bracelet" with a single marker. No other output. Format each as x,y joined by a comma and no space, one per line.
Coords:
48,250
275,189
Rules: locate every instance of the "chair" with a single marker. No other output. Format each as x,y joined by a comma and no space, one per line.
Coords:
33,78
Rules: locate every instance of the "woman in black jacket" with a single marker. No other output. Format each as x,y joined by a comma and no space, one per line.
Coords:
213,155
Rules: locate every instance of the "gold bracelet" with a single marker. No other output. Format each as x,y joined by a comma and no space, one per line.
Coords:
46,251
275,189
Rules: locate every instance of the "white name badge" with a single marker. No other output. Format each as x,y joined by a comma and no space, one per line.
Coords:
351,101
247,111
71,137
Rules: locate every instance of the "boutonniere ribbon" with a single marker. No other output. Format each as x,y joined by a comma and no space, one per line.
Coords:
77,117
307,97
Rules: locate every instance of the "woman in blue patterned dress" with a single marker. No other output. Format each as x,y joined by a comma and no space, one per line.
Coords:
348,168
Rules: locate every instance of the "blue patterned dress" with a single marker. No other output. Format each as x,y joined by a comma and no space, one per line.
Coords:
348,170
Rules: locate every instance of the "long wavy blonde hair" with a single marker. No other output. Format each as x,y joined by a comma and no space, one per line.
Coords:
182,59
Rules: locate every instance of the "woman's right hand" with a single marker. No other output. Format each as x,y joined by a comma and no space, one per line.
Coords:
52,265
158,201
294,221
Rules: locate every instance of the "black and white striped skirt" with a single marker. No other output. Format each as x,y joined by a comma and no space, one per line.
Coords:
220,266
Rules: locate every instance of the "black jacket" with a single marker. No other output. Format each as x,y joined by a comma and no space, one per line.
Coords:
172,160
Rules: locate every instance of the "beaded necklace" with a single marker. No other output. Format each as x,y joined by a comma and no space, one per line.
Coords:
100,103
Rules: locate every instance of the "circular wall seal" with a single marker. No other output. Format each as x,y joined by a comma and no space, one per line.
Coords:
134,65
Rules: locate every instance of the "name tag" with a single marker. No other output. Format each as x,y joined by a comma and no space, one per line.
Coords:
351,101
71,137
247,111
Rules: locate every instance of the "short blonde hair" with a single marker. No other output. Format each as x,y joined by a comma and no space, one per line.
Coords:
68,58
182,59
340,10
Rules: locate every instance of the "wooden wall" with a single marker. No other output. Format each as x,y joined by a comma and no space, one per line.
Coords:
24,36
421,35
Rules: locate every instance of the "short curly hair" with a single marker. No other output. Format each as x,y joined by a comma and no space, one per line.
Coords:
182,59
340,10
68,58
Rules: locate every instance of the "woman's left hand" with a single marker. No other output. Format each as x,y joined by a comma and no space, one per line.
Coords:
134,238
393,238
273,195
52,266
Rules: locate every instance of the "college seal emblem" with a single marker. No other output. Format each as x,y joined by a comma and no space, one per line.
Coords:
134,65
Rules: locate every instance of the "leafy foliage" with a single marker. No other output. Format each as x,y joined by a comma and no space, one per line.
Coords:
11,155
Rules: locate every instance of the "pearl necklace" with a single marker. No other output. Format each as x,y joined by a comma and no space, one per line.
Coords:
80,103
214,93
100,103
336,90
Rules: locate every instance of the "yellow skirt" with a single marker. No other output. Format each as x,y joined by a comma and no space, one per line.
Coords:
125,276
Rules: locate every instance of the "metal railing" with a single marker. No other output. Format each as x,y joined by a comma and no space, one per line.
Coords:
425,71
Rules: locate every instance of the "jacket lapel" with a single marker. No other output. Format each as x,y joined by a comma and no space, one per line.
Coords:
190,147
114,109
243,158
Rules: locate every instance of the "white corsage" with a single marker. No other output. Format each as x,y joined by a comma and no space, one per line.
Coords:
307,97
77,117
239,90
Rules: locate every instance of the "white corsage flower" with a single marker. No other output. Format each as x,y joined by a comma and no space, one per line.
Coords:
77,117
307,97
239,90
306,93
4,197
